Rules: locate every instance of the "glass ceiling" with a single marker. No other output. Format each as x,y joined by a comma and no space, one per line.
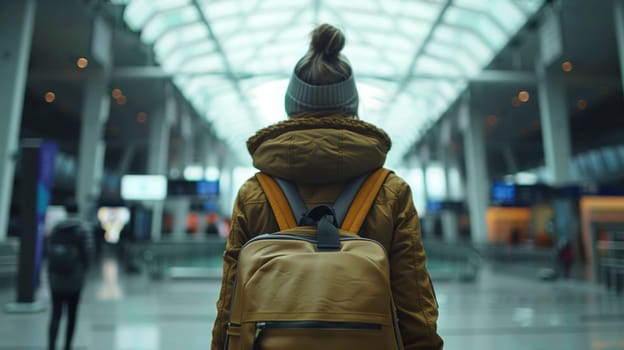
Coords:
411,58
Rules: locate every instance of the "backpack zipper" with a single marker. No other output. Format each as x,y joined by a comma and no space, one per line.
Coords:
261,326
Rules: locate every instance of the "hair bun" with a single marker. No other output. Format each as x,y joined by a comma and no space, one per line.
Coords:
327,40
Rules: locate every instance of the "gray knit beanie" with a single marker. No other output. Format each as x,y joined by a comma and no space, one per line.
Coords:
328,83
304,97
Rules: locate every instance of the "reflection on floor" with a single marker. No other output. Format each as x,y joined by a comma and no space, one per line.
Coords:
133,312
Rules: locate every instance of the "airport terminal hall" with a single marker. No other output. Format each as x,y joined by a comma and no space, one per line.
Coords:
312,174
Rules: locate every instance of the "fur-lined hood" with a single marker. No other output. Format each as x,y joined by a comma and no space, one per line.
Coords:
319,150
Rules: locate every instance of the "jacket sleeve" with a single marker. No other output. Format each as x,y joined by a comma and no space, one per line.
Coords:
237,237
413,293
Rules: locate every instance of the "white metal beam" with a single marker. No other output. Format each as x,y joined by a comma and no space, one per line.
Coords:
155,72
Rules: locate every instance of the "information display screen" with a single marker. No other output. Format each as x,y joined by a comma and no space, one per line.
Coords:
143,187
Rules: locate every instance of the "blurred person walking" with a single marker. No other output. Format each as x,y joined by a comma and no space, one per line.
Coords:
68,261
321,147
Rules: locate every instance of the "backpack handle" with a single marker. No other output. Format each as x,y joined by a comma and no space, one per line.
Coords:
327,234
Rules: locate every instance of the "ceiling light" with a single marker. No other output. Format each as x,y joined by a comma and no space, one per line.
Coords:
566,66
121,100
492,119
581,104
116,93
82,63
523,96
50,97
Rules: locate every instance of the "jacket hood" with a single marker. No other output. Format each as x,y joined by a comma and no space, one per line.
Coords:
319,150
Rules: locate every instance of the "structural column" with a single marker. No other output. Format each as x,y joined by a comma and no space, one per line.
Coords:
555,125
618,12
427,219
95,113
448,215
424,164
201,140
476,171
158,153
553,108
185,155
226,184
16,24
126,159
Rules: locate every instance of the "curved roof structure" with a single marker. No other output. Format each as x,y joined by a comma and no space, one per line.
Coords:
232,59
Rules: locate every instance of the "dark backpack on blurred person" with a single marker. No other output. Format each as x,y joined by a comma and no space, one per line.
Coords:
62,258
62,252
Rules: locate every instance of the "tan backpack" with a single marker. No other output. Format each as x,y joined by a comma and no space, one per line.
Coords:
310,285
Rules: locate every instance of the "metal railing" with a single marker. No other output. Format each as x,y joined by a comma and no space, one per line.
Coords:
189,258
608,249
9,251
452,261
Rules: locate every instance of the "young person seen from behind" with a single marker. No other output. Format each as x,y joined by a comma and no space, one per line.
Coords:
68,260
320,147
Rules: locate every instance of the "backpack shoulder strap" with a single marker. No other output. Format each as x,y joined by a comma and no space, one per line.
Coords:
364,200
351,207
297,206
278,201
346,197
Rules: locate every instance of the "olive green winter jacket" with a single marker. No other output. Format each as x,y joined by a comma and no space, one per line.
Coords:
320,155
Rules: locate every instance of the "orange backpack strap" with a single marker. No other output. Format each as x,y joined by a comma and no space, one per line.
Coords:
364,200
278,202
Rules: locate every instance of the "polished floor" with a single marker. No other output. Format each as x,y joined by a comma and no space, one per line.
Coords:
134,312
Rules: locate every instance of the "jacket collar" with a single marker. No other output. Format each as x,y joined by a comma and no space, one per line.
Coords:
355,125
319,150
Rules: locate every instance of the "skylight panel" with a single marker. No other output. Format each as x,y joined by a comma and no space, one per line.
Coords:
477,47
233,25
528,6
179,38
504,12
261,41
447,90
453,54
430,65
366,5
138,12
386,41
207,85
479,22
219,9
271,19
369,22
204,63
162,21
423,9
414,29
180,57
